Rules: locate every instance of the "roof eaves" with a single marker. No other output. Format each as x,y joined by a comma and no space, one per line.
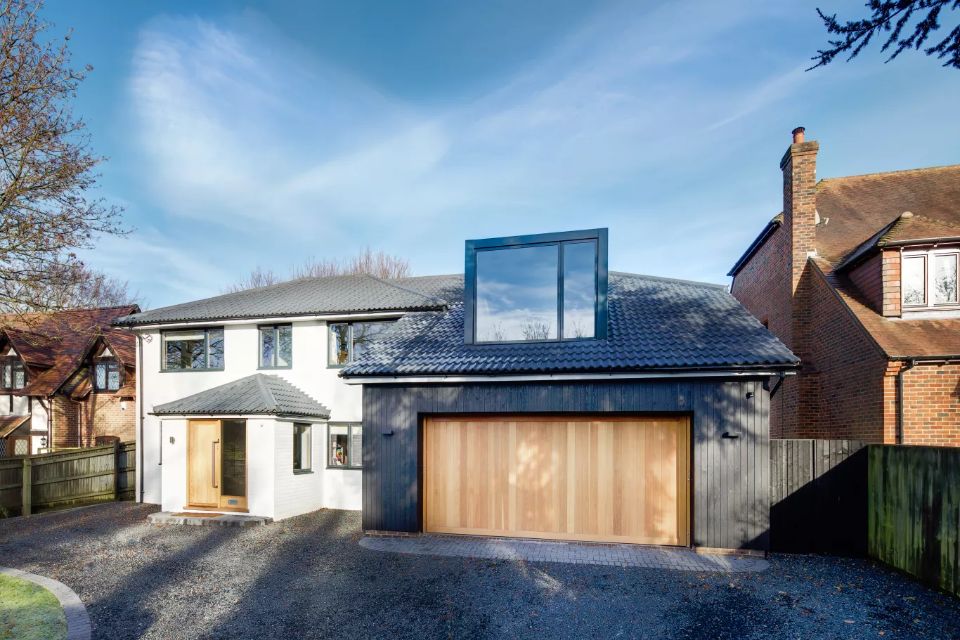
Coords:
758,242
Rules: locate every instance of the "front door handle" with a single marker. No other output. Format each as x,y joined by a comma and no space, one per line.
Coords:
213,463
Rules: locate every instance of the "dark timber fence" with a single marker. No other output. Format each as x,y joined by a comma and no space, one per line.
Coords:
818,496
914,512
54,480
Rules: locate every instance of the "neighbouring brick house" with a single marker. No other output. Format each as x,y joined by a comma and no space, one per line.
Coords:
858,276
67,379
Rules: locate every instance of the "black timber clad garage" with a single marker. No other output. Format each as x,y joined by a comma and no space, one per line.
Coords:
730,442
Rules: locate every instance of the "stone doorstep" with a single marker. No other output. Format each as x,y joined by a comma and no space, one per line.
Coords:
207,519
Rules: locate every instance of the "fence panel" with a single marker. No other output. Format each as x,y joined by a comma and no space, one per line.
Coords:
818,494
11,483
914,512
81,476
126,471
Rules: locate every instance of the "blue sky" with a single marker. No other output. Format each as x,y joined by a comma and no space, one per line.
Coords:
266,133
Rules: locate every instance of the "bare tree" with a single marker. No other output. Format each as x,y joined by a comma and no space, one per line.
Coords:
375,263
46,167
93,289
259,277
892,16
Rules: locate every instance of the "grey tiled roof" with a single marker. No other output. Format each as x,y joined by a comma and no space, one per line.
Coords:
254,395
305,296
655,324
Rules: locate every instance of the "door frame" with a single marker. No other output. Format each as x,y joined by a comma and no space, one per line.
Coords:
688,500
243,501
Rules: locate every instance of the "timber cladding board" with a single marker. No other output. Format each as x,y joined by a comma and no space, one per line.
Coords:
597,478
730,454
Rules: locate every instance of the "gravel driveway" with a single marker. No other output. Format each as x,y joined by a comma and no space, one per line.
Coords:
308,578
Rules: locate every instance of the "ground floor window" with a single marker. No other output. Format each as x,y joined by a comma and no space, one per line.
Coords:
345,446
301,446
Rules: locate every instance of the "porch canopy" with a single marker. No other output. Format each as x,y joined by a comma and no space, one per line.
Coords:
256,395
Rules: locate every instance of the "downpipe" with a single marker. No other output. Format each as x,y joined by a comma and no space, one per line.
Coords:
139,405
910,364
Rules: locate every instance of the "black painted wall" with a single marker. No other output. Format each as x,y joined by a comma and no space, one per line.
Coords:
731,447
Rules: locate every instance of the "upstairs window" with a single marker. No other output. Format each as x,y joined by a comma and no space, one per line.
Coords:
193,350
13,375
106,374
276,347
350,340
929,278
545,287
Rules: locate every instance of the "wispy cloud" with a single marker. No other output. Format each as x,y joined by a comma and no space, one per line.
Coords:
233,127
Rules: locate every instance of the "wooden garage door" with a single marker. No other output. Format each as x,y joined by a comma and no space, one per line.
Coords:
606,479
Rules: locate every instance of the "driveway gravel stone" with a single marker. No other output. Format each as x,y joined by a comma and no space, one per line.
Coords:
308,577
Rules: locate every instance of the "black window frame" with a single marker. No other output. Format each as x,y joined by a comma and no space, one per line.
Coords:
15,363
109,360
297,448
350,340
206,352
354,460
472,247
276,338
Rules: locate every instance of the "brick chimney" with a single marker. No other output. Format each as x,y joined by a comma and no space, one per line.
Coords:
799,166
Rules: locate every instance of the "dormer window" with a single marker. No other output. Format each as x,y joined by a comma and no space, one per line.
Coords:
13,375
929,278
106,371
540,288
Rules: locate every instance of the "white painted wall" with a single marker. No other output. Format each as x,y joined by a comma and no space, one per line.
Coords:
336,488
297,493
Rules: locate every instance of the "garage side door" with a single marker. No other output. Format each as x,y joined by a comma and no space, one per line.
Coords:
604,479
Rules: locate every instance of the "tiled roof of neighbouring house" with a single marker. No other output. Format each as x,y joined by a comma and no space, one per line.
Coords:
860,213
9,424
654,324
305,296
53,345
854,208
259,394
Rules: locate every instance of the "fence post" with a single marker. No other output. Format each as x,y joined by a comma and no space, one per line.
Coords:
26,489
116,466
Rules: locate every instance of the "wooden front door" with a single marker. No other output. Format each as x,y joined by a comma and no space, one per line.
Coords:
203,463
217,464
592,478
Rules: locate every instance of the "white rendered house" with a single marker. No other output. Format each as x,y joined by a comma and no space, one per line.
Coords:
240,405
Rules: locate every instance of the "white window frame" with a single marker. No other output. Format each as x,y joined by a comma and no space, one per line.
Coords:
929,256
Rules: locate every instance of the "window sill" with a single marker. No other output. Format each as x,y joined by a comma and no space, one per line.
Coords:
302,472
337,366
190,370
342,468
275,368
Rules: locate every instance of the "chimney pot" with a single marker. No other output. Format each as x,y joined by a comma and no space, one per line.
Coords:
798,135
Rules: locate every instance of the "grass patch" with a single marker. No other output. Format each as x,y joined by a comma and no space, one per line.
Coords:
29,612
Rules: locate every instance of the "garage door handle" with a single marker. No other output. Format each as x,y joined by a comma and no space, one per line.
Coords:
213,463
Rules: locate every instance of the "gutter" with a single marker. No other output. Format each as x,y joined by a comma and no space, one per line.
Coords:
562,377
172,324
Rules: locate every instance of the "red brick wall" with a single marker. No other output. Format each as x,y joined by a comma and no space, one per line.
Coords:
931,408
844,370
891,282
867,277
763,287
65,422
97,415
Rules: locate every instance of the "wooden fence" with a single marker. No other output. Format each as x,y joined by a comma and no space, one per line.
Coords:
914,512
818,496
80,476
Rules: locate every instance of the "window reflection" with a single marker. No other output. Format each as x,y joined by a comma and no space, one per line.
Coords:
579,289
517,294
